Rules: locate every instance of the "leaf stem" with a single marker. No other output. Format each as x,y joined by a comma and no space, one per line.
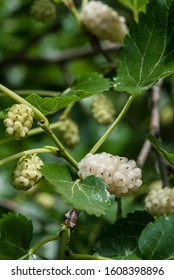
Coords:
42,242
46,149
72,8
111,128
85,257
66,112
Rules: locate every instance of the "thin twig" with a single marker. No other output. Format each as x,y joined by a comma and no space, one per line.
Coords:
154,127
72,54
154,130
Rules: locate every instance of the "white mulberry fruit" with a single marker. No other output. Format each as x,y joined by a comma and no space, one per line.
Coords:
102,109
26,173
103,21
43,10
121,175
19,120
69,133
160,201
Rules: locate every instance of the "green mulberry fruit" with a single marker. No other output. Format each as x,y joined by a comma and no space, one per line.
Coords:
102,109
43,10
18,121
26,173
69,133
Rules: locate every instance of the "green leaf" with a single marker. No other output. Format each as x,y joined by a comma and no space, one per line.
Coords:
84,86
91,83
50,105
169,157
89,195
15,236
148,53
121,239
134,5
156,240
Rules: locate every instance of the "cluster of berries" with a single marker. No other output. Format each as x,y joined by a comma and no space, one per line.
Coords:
160,201
43,10
69,133
18,120
26,173
121,175
102,109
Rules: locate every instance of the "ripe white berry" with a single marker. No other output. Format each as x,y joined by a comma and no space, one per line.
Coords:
122,175
69,133
102,109
26,173
103,22
18,121
160,201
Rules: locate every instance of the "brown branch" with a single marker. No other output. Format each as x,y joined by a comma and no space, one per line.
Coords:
154,127
154,130
76,53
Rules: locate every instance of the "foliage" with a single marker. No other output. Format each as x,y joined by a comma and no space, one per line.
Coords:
56,68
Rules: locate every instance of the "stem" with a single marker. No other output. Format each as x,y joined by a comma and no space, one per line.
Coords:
43,122
38,115
72,8
84,2
66,112
85,257
63,152
65,234
32,132
46,149
42,242
111,128
119,208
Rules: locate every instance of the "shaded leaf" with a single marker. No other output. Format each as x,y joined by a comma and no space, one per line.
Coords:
149,46
156,240
89,195
121,239
169,157
50,105
84,86
15,236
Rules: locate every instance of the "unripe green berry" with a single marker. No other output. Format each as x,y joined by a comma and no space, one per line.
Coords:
69,133
26,173
18,121
102,109
103,21
43,10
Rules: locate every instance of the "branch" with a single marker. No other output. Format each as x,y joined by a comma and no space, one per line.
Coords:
72,54
154,127
154,130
